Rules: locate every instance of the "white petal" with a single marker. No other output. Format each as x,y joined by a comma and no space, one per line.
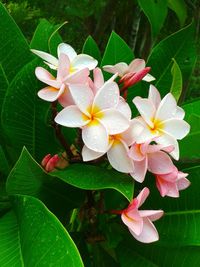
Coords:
95,136
149,233
167,108
46,77
176,128
82,96
113,120
67,50
167,140
89,154
180,113
50,93
107,96
148,78
128,136
124,108
118,157
71,117
154,96
78,77
63,67
136,65
142,132
47,57
120,68
84,61
146,109
98,78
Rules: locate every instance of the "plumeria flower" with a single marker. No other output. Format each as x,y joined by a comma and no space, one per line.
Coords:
162,119
57,89
139,222
132,73
77,62
150,157
49,162
96,115
171,183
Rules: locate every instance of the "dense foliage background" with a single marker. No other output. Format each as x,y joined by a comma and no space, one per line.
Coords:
37,209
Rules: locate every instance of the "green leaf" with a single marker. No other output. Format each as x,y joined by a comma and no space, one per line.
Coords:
90,47
156,12
180,8
179,46
14,49
23,115
189,145
42,35
28,178
32,236
94,178
176,87
116,51
4,165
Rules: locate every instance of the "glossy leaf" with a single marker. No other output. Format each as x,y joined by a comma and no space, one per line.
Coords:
94,178
28,178
180,8
23,115
156,12
14,49
3,87
90,47
176,87
179,46
4,165
31,235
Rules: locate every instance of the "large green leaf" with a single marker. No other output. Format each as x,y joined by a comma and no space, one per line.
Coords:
28,178
179,46
32,236
94,178
4,165
180,8
189,145
90,47
23,115
156,12
14,50
176,87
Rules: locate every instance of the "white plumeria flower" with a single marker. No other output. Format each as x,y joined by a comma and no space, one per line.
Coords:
136,66
118,148
160,119
57,89
77,62
96,115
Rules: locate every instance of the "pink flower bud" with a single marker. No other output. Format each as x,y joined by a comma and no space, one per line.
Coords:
49,162
132,78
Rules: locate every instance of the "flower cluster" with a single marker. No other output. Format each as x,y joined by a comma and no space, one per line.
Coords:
132,145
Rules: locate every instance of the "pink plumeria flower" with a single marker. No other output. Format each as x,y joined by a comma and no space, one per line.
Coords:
57,89
161,119
171,183
77,62
139,222
96,115
150,157
132,73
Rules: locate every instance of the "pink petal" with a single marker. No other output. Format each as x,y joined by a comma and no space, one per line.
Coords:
159,163
107,96
140,169
89,154
118,157
67,50
142,196
133,221
71,116
95,136
78,77
167,108
82,96
113,120
153,215
135,152
149,233
98,78
128,135
83,61
136,65
46,77
167,140
176,128
66,99
146,109
120,68
63,67
47,57
154,96
124,108
49,93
